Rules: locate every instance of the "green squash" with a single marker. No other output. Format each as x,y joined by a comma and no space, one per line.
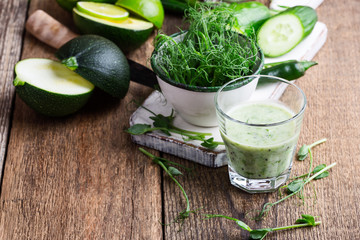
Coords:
128,34
50,88
68,5
99,61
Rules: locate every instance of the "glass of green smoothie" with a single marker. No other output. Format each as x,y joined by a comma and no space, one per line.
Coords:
261,133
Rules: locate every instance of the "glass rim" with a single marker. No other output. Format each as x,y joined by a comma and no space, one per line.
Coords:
297,115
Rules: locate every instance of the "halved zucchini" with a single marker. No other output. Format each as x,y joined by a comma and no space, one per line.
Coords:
127,34
50,88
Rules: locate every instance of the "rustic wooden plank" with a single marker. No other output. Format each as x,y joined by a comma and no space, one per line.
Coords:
11,31
78,177
332,89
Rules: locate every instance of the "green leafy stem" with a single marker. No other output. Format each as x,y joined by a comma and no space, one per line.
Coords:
304,150
297,185
305,221
172,171
165,124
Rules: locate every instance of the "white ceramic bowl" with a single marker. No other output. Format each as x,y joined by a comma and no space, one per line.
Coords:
196,104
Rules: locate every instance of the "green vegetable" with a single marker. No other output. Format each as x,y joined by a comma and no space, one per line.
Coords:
238,222
304,150
164,124
99,61
190,2
103,10
250,15
172,171
316,169
50,88
282,32
70,4
305,221
295,187
128,34
175,6
302,222
150,10
211,52
288,70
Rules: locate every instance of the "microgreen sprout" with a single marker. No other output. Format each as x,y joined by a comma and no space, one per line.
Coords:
165,125
297,185
304,150
211,53
316,169
305,221
165,164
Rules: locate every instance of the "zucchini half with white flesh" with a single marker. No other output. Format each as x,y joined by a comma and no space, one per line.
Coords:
50,88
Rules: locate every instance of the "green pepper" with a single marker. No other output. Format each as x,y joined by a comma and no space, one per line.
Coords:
288,70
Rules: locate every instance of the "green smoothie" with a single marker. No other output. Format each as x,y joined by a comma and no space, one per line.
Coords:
259,152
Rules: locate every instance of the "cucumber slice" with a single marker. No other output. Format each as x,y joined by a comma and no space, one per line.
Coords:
103,10
279,35
282,32
50,88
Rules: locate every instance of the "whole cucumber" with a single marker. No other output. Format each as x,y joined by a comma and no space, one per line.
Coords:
250,14
307,16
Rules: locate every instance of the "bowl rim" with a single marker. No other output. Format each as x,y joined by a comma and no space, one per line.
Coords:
160,75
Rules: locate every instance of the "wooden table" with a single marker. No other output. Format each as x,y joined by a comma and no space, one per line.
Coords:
81,177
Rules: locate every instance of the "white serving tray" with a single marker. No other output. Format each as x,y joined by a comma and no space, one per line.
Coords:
276,4
192,150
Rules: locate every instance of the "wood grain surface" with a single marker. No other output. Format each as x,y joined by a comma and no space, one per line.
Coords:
81,177
11,33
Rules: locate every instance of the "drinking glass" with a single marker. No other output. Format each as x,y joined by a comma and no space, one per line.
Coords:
260,134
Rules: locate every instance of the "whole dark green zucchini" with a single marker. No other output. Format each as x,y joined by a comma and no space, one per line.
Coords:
99,61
